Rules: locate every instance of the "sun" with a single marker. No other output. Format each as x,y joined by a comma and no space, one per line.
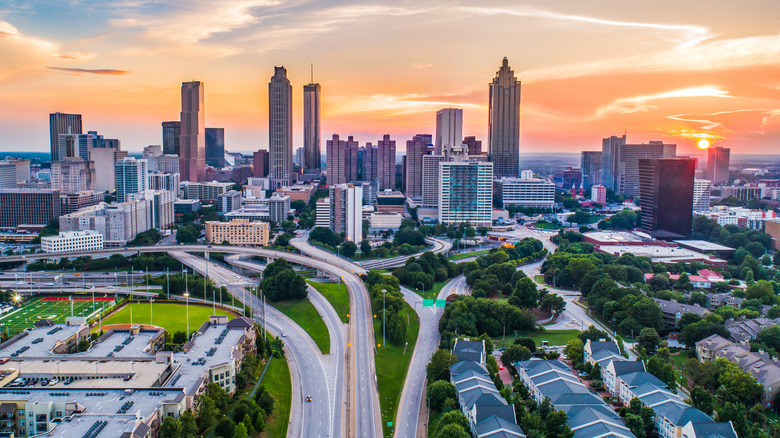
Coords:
703,143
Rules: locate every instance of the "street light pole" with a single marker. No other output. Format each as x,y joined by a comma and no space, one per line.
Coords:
187,300
384,319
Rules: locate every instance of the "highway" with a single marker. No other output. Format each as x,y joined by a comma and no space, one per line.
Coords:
364,400
439,246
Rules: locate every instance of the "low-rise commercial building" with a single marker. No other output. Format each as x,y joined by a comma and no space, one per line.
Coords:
297,192
524,192
384,221
204,190
238,232
72,241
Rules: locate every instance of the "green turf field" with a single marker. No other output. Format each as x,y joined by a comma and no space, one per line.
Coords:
37,309
172,316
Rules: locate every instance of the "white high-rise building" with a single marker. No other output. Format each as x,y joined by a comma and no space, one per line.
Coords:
105,167
7,175
346,211
72,175
323,213
524,192
165,181
701,194
466,193
526,174
278,207
449,130
431,180
132,176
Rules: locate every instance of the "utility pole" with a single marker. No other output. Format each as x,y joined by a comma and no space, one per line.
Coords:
384,319
213,292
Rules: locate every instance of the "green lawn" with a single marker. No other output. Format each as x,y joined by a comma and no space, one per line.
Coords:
553,337
391,366
542,225
432,292
337,295
305,315
277,382
465,255
171,316
539,279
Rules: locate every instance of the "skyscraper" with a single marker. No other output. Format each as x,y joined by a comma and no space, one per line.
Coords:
131,177
72,175
416,148
280,128
718,164
215,147
666,190
311,127
346,210
260,164
342,160
610,161
171,133
474,145
590,164
385,163
466,192
504,122
449,130
619,162
61,123
192,143
702,191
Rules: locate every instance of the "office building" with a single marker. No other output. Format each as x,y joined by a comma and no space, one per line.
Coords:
204,191
466,193
105,165
260,161
278,207
185,206
504,122
666,190
171,132
567,177
610,161
619,162
431,180
164,164
524,192
702,189
385,163
346,211
598,194
323,213
192,137
238,232
132,176
215,147
61,123
280,129
22,167
718,164
342,160
390,201
72,241
449,130
590,164
28,207
73,175
297,192
228,201
7,175
70,202
151,151
474,146
416,148
311,128
165,181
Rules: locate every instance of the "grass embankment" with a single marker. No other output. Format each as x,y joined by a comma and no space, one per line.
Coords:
171,316
392,363
433,292
337,296
277,382
465,255
306,316
553,337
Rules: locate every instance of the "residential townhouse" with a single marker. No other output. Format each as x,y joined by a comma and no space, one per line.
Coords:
747,330
673,311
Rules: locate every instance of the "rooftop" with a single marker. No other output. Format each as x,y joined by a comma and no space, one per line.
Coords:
702,245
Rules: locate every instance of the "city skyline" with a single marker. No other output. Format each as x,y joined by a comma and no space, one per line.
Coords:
699,74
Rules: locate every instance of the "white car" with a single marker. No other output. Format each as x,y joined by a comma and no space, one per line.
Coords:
54,381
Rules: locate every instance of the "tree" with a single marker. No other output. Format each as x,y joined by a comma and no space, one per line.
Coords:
452,431
455,417
664,370
439,392
240,431
702,399
348,248
649,339
515,353
207,412
595,372
761,290
592,333
525,294
695,332
528,343
737,383
553,303
365,247
171,428
574,350
281,282
555,425
225,428
179,337
189,428
635,424
439,366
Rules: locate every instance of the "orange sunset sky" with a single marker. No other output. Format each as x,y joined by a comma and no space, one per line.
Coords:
661,70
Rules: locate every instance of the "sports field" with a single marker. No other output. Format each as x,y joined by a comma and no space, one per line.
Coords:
171,316
53,308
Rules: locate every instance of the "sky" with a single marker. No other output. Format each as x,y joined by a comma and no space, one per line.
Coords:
661,70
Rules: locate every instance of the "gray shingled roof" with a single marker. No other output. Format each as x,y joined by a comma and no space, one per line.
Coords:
496,427
713,430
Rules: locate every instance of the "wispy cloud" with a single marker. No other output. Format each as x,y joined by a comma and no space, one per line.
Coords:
765,114
394,105
99,71
634,104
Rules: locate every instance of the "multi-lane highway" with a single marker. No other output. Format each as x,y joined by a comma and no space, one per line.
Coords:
439,246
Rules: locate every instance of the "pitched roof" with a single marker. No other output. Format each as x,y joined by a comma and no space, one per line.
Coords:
596,346
468,350
639,378
681,414
504,411
673,307
466,365
497,427
622,367
711,430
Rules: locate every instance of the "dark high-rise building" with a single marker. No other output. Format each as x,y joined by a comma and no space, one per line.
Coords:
416,148
590,164
192,143
567,177
171,133
342,160
666,192
311,127
61,123
215,147
28,207
385,163
367,157
504,122
474,145
619,162
610,161
718,164
280,129
260,164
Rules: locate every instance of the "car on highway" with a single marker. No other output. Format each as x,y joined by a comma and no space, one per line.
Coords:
308,398
284,335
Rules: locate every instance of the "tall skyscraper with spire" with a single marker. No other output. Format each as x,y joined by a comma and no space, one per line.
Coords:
311,126
192,140
504,122
280,129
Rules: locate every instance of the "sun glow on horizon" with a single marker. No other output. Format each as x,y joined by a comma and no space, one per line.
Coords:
703,143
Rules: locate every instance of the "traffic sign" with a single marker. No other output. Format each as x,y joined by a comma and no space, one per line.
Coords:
428,302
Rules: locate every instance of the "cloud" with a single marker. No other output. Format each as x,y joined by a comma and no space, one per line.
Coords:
20,53
634,104
765,115
100,71
395,105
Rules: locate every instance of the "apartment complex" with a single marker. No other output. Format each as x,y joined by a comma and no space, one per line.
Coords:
346,211
72,241
466,192
241,232
524,192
